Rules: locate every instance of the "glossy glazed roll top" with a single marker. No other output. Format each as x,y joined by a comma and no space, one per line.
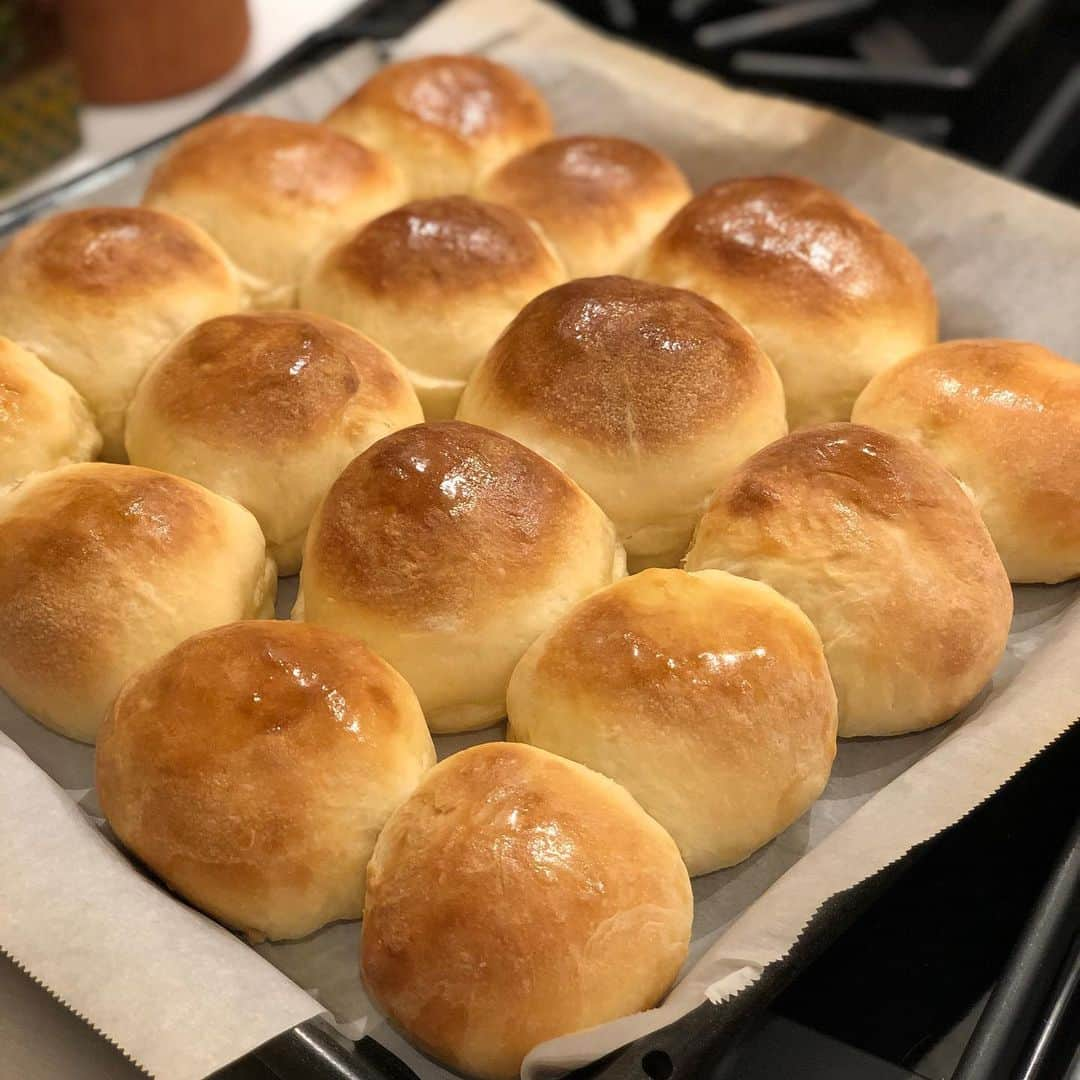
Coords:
705,695
105,567
1004,418
830,295
646,395
98,293
446,120
599,199
434,282
267,408
253,766
448,549
885,553
273,192
516,897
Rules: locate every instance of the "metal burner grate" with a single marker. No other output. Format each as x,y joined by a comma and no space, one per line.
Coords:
997,82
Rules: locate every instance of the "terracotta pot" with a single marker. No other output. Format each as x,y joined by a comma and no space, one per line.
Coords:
137,50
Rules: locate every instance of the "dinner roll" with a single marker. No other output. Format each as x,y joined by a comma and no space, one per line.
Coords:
449,549
706,696
43,421
97,294
273,192
253,766
830,296
434,282
446,120
885,553
516,897
105,567
267,408
647,396
1004,418
599,199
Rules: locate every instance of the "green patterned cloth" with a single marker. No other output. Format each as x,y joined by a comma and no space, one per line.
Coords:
38,102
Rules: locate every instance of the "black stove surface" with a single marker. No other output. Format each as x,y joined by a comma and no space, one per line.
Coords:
997,81
898,994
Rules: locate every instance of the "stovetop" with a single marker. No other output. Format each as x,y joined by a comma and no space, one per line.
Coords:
996,81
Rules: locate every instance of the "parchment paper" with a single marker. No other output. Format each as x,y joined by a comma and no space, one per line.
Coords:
1005,261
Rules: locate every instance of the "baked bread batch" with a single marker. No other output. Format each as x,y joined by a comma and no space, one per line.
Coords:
487,372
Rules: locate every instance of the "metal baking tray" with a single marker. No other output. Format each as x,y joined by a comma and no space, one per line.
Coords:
1022,1027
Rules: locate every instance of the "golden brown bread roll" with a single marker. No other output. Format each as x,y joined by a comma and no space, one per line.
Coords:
43,421
446,120
599,199
253,766
98,293
705,695
1004,418
434,282
103,568
647,396
885,553
830,296
273,192
516,897
267,408
448,550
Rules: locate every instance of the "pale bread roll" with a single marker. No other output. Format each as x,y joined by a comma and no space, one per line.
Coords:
1004,418
516,897
434,282
599,199
98,293
885,553
449,549
273,192
706,696
103,568
830,295
446,120
267,408
647,396
253,766
43,420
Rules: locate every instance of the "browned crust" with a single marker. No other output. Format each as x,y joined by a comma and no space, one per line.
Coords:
723,669
796,244
586,180
439,247
437,519
625,363
227,764
844,501
468,98
85,525
254,379
108,253
267,162
515,897
1004,417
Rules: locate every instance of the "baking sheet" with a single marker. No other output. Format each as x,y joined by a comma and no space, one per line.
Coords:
1005,261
